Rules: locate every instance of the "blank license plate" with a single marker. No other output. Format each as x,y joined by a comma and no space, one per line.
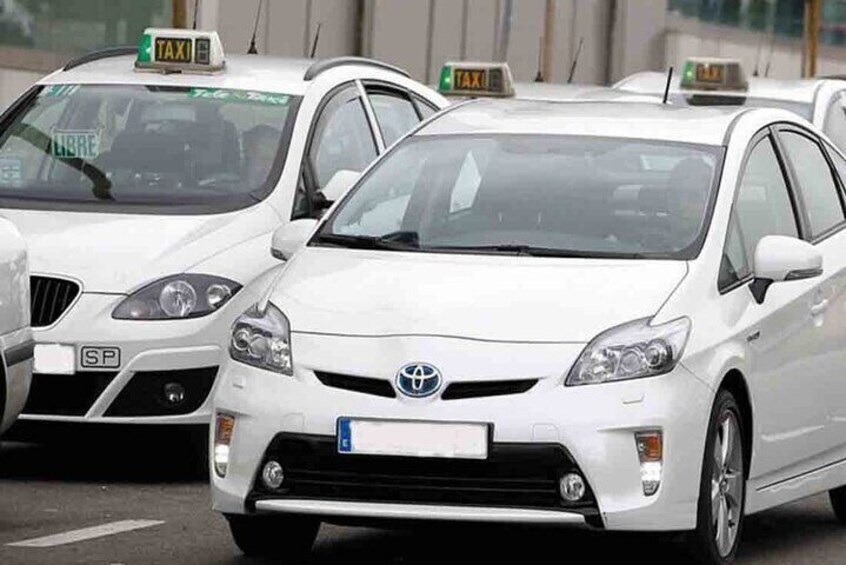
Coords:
413,439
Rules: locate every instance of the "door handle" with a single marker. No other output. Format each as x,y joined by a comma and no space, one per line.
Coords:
819,307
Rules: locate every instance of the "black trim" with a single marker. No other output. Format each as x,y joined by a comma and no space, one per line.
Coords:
144,394
363,385
107,53
485,389
326,64
19,353
800,475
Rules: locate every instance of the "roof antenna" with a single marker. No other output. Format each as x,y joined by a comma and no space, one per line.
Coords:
575,60
539,76
196,2
316,39
758,58
252,50
770,57
667,87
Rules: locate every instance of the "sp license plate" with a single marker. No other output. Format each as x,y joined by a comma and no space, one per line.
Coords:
173,50
99,357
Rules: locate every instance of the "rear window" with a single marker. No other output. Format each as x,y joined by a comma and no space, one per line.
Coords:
168,149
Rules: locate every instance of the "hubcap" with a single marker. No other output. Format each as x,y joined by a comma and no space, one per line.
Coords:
727,483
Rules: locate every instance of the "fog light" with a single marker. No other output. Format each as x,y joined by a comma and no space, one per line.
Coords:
174,394
572,487
272,475
650,451
223,429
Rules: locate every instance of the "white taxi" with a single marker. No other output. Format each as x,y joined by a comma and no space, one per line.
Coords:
629,316
148,183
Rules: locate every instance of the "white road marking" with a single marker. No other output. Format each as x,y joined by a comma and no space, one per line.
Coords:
74,536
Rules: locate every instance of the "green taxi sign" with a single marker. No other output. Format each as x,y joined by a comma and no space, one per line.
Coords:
712,74
179,50
476,79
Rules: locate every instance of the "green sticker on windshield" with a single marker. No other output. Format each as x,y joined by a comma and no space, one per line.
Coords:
58,90
242,96
75,144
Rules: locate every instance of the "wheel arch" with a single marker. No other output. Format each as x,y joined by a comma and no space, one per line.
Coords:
735,382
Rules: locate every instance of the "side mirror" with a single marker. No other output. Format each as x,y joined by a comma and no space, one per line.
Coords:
337,186
290,237
780,258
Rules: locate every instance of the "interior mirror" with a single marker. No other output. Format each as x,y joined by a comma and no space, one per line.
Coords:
335,188
290,237
780,258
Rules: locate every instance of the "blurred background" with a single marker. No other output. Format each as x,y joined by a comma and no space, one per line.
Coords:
620,36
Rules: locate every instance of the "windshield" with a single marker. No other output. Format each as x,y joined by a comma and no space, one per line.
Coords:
104,147
800,108
532,195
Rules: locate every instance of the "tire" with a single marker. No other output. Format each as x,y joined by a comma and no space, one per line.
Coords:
719,521
275,537
838,503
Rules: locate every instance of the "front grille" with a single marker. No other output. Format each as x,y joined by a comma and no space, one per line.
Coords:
66,395
364,385
514,475
49,298
481,389
144,395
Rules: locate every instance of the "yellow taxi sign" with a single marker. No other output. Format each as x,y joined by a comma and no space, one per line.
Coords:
711,74
476,79
177,50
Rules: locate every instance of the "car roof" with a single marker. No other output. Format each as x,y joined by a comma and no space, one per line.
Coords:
249,72
586,92
701,125
796,90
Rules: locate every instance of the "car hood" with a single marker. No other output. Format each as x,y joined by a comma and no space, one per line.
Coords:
497,298
115,253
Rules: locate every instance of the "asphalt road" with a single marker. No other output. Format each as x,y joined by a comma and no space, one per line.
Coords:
49,490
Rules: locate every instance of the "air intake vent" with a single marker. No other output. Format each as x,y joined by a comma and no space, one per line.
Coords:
481,389
49,298
364,385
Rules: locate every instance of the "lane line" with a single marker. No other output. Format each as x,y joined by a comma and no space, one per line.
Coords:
84,534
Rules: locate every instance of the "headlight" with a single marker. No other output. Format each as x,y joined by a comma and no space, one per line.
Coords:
176,297
263,340
631,351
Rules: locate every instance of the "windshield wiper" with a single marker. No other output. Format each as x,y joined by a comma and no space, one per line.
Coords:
532,251
394,241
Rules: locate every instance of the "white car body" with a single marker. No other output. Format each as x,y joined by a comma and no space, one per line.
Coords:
16,341
486,318
111,255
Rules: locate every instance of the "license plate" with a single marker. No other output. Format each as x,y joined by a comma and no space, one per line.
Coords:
413,439
99,357
54,359
710,73
173,50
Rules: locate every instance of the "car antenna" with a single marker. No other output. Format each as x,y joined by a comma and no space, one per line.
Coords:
770,56
667,87
758,58
575,60
252,50
316,40
196,2
539,76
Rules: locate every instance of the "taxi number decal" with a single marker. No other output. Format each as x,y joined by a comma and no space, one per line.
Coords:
709,73
11,170
75,144
59,90
471,79
173,50
247,96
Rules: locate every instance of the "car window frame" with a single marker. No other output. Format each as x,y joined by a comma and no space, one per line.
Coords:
386,88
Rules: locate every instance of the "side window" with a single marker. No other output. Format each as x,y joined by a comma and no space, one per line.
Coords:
342,138
394,112
424,108
762,207
816,184
835,121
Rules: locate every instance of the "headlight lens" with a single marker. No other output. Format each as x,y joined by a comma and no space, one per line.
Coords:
631,351
177,297
263,340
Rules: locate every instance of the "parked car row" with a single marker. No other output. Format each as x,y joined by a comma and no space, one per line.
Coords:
579,307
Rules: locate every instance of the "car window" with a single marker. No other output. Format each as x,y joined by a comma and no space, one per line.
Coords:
424,107
342,138
395,113
762,207
835,121
816,183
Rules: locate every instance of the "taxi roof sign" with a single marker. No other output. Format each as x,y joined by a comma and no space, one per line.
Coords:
464,78
179,50
713,74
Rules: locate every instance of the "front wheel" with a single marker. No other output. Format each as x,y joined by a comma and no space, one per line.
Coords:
277,537
722,487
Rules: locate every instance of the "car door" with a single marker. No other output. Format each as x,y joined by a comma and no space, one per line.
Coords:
821,192
789,417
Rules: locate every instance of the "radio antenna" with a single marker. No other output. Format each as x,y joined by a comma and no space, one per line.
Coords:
316,40
758,58
667,87
575,60
252,50
539,76
196,2
770,56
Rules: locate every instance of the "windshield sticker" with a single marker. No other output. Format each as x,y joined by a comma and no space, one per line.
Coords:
243,96
75,144
11,170
59,90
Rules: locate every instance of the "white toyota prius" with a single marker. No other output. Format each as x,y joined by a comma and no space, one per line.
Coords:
629,316
148,183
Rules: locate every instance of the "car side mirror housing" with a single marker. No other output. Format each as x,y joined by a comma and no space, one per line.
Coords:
337,186
290,237
780,258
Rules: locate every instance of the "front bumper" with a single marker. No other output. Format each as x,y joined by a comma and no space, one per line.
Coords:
594,424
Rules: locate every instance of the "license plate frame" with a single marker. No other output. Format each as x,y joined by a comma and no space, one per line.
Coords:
424,439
